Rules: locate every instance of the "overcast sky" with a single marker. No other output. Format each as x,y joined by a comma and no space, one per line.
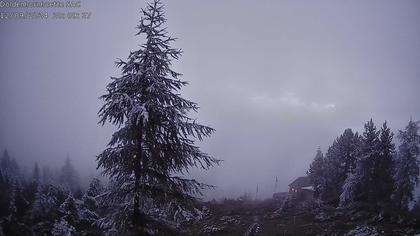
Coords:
275,79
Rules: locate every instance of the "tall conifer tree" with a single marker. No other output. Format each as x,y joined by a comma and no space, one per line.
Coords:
316,172
406,165
384,165
340,161
371,182
69,177
154,143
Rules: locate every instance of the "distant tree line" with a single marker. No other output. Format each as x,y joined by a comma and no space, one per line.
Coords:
367,170
55,203
46,203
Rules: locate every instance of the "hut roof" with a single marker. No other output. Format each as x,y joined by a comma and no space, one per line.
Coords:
301,182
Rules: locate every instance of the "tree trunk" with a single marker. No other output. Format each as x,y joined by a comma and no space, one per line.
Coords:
137,188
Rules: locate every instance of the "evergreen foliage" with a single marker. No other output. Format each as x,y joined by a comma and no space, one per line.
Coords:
63,228
339,162
406,165
69,177
33,208
372,181
36,175
316,172
9,167
154,144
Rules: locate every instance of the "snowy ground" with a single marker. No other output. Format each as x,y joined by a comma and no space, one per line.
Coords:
262,218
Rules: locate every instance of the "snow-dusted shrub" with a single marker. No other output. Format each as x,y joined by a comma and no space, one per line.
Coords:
63,228
365,230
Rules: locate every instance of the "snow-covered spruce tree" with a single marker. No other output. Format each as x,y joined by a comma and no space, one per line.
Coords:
45,210
89,206
316,171
348,144
406,165
63,228
69,178
5,193
371,181
95,188
12,204
44,204
5,162
18,204
31,187
9,167
350,189
330,190
369,154
384,171
154,144
70,210
339,162
35,173
47,176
